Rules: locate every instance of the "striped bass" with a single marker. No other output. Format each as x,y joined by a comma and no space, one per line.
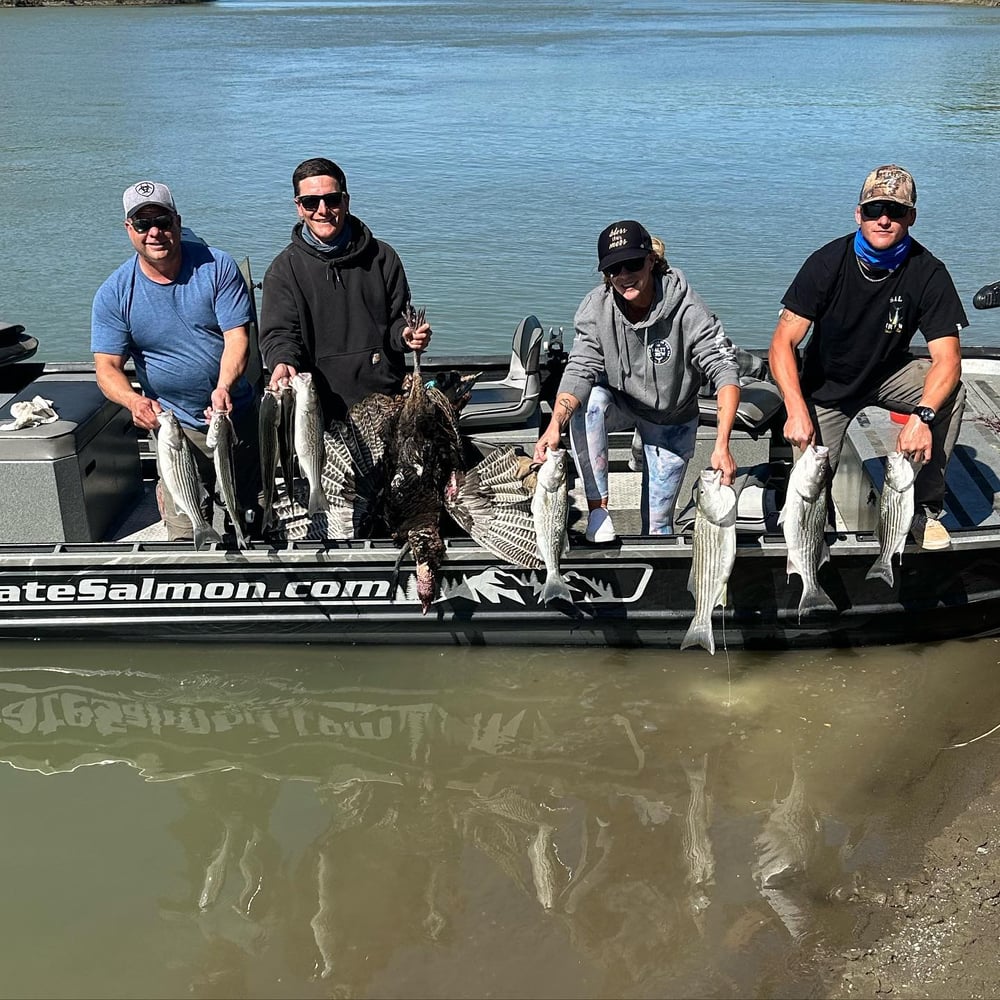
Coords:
323,922
696,840
286,435
542,867
268,420
713,552
220,439
787,844
895,515
549,507
215,873
180,476
804,519
309,446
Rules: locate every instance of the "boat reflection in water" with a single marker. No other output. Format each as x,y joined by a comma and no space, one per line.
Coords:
560,811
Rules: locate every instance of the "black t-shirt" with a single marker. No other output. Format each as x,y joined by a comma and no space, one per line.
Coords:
862,327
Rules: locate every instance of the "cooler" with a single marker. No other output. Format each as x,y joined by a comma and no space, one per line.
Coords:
73,479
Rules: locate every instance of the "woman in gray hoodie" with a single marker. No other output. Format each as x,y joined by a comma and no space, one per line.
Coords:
645,342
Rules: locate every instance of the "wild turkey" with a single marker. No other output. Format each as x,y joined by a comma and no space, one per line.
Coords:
395,463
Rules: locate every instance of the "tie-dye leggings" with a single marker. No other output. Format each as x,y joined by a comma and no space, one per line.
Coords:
667,449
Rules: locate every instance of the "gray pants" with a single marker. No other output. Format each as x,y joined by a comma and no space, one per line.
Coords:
900,393
246,462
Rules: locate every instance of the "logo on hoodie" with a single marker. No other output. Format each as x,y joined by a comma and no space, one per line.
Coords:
659,352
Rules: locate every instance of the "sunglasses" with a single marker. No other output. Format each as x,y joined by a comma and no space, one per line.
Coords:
310,202
632,266
876,209
144,225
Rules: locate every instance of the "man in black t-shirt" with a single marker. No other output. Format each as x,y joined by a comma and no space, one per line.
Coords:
865,295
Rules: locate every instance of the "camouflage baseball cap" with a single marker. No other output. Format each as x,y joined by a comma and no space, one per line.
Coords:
889,183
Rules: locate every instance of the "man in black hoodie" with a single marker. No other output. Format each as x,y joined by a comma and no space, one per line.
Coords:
333,299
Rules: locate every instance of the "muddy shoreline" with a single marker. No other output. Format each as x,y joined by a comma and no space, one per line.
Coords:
929,922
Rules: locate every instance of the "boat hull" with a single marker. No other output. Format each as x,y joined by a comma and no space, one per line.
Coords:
632,596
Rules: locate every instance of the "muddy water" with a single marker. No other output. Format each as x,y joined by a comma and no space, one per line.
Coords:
318,822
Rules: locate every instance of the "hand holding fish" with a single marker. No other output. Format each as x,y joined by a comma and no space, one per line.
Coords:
549,441
914,440
722,461
145,412
222,402
799,430
281,376
565,405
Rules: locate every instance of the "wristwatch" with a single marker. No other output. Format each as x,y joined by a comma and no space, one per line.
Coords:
925,413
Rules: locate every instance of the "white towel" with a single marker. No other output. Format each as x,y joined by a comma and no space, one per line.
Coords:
25,414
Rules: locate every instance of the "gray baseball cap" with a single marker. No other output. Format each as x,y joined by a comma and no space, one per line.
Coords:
147,193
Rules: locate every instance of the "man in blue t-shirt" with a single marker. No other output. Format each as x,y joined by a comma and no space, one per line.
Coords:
865,296
179,310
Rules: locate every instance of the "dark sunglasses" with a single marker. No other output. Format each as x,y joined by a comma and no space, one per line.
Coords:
632,266
876,209
310,202
144,225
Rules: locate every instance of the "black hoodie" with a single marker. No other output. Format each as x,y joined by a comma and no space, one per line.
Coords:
339,316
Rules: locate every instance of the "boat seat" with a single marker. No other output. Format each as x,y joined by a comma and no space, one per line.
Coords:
513,400
15,344
760,403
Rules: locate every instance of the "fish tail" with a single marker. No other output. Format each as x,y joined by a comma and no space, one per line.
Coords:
881,570
814,598
700,633
204,535
556,588
317,501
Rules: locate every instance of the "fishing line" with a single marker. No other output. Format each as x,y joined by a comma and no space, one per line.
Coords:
975,739
729,666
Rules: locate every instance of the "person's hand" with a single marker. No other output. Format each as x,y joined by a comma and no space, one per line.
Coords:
221,400
799,430
722,459
548,441
281,376
915,440
417,339
144,412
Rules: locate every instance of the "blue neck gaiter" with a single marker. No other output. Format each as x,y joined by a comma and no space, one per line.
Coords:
886,260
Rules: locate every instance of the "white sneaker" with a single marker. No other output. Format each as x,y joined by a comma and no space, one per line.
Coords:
599,527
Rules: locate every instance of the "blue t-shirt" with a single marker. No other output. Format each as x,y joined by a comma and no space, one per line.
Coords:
173,332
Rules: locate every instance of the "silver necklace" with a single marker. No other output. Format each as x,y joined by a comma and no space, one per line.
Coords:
866,276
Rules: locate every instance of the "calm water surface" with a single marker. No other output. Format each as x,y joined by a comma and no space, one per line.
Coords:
320,822
490,143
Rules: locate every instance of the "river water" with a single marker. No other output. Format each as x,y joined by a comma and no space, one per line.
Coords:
313,822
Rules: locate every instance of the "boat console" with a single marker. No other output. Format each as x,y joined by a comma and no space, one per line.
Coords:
70,480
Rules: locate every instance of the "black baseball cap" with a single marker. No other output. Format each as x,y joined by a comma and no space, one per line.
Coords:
626,240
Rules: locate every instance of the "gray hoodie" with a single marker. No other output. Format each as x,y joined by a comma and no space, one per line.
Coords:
658,364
